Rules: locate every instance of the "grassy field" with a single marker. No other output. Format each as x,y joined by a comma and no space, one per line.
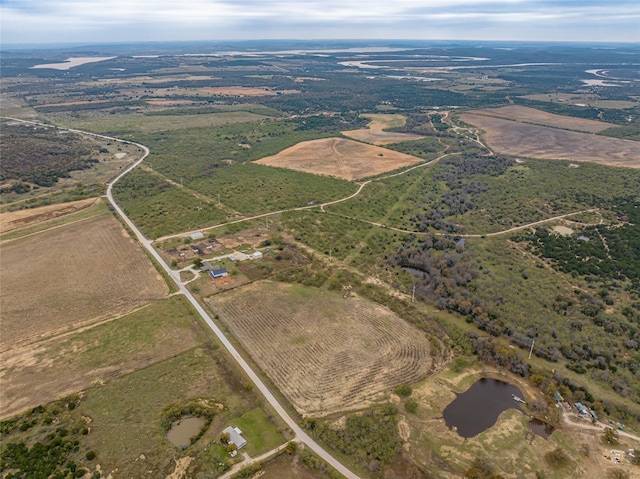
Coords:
126,414
341,158
526,192
75,273
53,368
532,141
342,357
260,432
160,206
135,123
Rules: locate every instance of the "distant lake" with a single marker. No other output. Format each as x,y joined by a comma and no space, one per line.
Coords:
477,409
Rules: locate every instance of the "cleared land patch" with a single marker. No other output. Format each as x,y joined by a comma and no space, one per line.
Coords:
374,132
70,275
539,117
340,158
522,139
38,373
19,219
325,353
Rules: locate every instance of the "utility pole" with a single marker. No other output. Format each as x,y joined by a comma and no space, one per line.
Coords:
531,350
267,221
413,295
329,252
218,199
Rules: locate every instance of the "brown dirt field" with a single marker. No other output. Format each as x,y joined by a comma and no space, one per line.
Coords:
522,139
71,275
539,117
238,91
341,158
374,132
22,218
326,354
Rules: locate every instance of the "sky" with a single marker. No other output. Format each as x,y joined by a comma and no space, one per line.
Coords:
116,21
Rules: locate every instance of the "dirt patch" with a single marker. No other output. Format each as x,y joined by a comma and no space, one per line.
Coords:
325,353
71,275
522,139
182,465
403,430
539,117
563,230
341,158
22,218
374,132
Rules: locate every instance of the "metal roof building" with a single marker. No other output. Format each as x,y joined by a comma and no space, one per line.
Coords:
235,436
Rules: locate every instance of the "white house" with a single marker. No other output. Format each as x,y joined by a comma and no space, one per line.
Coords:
235,437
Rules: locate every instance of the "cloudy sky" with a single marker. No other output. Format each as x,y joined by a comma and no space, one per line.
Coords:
89,21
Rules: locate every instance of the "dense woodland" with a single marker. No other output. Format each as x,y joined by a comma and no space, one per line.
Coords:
41,155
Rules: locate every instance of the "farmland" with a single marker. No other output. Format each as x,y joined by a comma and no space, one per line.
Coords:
532,141
84,271
539,117
341,355
341,158
415,284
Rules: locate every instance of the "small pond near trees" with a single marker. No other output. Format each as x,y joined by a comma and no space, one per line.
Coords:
477,409
183,430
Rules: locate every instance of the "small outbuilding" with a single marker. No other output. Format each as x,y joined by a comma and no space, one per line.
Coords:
197,235
235,437
257,255
218,273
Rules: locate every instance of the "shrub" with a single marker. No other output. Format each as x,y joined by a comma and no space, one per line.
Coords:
404,390
411,406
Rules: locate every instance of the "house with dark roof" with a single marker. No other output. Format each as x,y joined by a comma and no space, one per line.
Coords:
218,273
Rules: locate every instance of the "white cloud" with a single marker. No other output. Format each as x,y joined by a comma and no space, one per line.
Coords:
89,20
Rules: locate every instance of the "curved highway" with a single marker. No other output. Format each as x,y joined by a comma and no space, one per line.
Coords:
300,435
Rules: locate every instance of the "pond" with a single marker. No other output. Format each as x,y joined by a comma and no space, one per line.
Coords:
184,429
541,428
477,409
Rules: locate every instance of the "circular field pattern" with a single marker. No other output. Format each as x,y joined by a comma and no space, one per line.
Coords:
326,354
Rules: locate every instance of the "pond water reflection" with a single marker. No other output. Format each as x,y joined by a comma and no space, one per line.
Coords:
478,408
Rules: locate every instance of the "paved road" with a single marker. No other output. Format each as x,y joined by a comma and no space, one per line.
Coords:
300,435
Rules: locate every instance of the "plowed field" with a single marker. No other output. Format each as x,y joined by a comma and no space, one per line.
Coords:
72,274
522,139
539,117
326,354
341,158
